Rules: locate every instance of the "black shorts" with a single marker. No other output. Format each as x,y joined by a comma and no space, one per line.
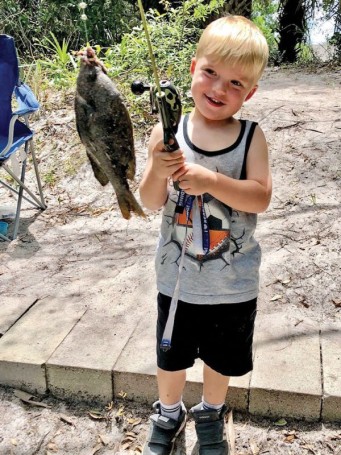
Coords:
221,335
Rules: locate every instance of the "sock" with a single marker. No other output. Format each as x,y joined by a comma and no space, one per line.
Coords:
211,407
171,410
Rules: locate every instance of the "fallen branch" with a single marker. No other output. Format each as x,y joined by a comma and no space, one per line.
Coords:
279,128
267,115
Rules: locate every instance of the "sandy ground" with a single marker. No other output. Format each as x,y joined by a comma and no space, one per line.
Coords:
81,236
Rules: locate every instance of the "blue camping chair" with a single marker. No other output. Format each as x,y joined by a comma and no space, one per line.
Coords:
15,132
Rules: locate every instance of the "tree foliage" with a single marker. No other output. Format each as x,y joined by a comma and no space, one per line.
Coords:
109,22
30,21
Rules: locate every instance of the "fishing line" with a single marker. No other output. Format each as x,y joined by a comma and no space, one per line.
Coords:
150,49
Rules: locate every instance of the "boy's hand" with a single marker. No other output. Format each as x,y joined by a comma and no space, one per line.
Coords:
194,179
165,164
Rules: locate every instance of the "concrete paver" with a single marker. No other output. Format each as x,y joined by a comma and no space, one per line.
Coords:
11,309
286,380
331,368
135,370
25,348
60,346
82,365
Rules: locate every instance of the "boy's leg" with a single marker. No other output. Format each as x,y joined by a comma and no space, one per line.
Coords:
209,415
215,386
170,416
227,346
171,385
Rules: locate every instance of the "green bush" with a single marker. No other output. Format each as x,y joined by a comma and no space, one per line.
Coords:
264,15
174,35
30,22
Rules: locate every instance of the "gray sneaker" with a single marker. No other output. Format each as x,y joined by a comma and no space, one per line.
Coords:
209,426
163,431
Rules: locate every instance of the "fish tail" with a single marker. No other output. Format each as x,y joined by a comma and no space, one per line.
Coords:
128,204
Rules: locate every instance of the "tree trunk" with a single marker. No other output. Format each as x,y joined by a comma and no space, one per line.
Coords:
235,7
239,8
292,27
337,34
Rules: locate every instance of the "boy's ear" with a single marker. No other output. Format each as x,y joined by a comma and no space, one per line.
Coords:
193,64
251,93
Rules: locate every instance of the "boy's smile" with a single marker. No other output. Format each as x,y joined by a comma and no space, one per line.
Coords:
219,90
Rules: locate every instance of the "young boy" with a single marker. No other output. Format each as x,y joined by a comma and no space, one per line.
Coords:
208,261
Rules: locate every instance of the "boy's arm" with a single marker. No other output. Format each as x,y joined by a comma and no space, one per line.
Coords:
161,165
251,195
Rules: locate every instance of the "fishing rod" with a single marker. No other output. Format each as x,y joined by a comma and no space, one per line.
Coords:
164,96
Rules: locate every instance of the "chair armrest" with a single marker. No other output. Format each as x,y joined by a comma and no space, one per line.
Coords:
22,112
27,102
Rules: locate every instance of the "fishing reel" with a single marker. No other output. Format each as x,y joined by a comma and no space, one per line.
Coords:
168,104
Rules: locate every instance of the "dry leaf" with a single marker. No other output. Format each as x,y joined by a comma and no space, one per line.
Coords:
52,446
130,434
304,302
120,411
254,448
309,447
66,419
129,438
337,303
27,398
290,438
276,297
109,406
23,395
134,422
104,439
96,415
96,448
126,445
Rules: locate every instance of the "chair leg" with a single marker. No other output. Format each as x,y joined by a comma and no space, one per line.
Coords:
36,201
40,204
3,237
35,164
20,197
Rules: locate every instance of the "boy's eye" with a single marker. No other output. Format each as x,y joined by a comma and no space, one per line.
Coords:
210,71
236,83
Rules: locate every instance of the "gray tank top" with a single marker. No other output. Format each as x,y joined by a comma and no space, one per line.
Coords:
214,243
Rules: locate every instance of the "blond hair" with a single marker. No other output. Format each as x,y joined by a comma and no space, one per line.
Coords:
235,40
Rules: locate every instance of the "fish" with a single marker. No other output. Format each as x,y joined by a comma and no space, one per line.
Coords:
105,129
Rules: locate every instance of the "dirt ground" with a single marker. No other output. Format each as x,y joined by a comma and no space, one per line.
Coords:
78,429
299,112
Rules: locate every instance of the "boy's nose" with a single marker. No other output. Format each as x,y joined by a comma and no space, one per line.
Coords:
219,94
220,87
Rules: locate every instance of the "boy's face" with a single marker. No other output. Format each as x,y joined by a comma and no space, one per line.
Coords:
219,90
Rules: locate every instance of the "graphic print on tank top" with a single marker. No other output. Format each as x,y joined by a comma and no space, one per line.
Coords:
205,244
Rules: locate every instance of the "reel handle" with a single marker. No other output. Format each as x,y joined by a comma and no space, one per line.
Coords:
139,87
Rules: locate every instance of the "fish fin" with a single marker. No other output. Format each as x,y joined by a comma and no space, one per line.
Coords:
99,174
